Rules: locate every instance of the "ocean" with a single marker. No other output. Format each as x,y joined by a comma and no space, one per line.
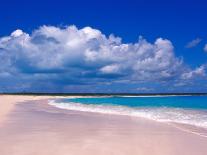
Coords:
190,110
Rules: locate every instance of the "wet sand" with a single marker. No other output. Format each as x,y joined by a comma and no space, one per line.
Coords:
35,128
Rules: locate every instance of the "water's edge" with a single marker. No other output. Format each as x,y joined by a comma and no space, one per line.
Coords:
196,118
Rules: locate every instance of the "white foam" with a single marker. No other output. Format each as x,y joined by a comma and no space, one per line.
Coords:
190,117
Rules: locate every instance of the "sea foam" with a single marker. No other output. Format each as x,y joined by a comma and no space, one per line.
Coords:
177,115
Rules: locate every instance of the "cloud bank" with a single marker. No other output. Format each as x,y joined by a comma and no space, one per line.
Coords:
64,59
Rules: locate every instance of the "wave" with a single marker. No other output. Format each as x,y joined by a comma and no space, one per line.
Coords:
176,115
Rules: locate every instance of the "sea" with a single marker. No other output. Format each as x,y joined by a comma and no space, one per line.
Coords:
189,110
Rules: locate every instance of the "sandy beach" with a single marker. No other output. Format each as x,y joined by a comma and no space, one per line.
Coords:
29,126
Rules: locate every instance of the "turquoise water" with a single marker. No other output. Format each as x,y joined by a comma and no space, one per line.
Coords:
191,102
191,110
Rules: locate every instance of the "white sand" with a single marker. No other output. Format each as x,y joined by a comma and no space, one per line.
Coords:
8,102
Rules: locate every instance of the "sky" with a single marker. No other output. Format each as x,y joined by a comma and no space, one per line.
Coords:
125,46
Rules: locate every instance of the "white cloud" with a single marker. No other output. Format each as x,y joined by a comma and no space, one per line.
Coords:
144,89
114,68
198,72
17,33
193,43
70,55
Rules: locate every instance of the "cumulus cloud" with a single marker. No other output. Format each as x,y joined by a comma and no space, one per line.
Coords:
193,43
57,57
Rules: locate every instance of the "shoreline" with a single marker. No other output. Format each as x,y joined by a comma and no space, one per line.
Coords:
34,127
188,128
19,99
106,94
130,112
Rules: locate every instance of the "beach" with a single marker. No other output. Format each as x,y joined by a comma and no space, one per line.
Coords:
29,126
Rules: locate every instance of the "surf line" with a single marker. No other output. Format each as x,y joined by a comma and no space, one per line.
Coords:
186,130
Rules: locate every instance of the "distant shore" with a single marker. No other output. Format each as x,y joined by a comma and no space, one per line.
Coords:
29,126
103,94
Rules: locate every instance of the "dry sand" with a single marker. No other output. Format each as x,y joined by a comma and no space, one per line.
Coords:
35,128
8,102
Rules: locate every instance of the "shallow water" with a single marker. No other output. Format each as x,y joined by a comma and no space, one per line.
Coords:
191,110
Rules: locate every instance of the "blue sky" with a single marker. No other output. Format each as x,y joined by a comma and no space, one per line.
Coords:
34,36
